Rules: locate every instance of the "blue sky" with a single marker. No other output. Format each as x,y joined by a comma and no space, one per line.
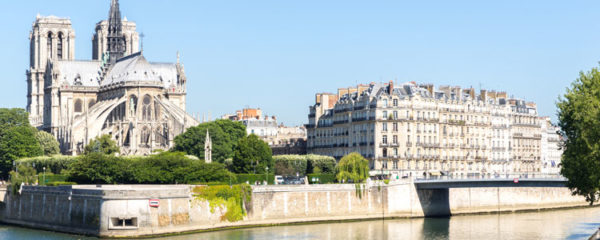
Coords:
277,54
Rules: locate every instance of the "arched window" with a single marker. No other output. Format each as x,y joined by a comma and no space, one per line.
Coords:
49,47
59,46
132,105
147,108
78,106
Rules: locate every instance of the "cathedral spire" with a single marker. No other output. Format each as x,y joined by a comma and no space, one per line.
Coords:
116,39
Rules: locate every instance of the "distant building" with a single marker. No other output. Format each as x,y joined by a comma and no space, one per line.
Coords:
282,139
416,130
551,149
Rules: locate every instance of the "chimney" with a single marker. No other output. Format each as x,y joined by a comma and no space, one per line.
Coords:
391,87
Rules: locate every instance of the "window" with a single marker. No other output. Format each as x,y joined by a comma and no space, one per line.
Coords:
384,126
49,47
385,115
78,106
147,109
395,152
123,223
395,102
384,139
395,164
395,115
385,152
395,139
59,46
395,127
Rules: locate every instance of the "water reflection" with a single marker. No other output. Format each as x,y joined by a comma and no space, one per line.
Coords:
560,224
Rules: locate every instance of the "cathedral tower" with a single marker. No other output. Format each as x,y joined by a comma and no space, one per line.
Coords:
50,38
115,39
129,37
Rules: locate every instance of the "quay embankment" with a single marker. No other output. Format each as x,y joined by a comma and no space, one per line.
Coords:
146,210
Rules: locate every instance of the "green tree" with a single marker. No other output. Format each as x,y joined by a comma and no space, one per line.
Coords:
252,155
13,117
48,143
579,120
102,144
17,138
353,167
17,142
224,135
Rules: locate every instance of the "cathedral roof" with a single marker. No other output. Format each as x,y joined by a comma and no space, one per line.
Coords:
133,68
79,73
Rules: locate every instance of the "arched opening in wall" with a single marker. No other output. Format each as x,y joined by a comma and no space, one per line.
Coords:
59,46
127,141
147,108
156,110
160,137
132,105
145,137
78,106
49,47
91,103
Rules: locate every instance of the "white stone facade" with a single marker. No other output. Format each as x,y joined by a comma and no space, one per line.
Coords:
416,130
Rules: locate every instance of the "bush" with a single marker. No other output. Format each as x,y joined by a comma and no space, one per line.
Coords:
323,178
233,198
290,164
320,164
54,164
50,178
251,178
161,168
98,168
54,184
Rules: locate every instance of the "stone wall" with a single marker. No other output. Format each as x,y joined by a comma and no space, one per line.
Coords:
125,210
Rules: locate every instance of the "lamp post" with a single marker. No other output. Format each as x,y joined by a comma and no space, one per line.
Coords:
44,179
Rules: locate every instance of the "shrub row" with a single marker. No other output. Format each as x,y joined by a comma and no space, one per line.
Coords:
252,178
321,178
162,168
50,178
54,164
303,164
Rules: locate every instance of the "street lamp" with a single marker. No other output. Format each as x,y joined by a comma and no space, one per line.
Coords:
44,179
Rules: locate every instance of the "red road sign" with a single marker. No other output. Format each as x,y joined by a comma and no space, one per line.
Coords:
154,202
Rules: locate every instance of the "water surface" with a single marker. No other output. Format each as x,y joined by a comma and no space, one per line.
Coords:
559,224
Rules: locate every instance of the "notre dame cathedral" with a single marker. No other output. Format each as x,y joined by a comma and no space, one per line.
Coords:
140,104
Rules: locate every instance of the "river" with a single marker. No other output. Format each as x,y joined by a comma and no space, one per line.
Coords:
559,224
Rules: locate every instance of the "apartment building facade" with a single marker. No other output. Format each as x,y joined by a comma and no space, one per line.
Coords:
417,130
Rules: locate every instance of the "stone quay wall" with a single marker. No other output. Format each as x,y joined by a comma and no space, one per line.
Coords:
126,210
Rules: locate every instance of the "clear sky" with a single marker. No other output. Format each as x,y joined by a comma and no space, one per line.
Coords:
277,54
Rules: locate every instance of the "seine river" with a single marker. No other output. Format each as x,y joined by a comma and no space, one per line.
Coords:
560,224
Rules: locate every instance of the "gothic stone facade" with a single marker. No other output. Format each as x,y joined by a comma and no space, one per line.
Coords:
139,103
